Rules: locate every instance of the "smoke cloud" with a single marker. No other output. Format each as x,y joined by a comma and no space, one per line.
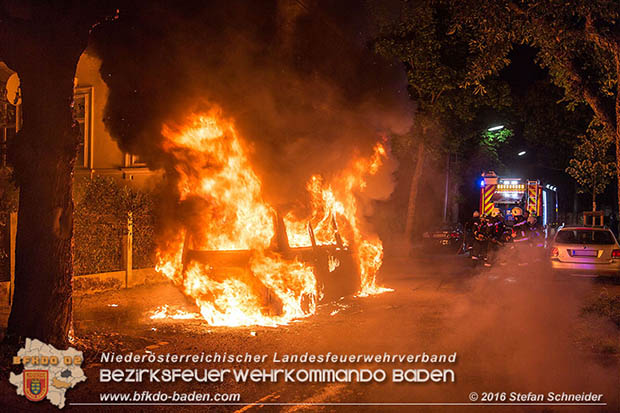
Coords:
297,77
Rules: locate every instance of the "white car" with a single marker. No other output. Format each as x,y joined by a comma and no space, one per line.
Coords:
585,250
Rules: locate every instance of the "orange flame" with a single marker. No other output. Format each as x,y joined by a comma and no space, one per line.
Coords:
214,173
168,312
337,205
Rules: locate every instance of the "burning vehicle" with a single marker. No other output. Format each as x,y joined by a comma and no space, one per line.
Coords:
245,262
333,266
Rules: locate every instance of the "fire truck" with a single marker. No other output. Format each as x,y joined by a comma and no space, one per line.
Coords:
531,195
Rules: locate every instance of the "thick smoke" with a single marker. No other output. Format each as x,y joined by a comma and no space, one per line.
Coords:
297,77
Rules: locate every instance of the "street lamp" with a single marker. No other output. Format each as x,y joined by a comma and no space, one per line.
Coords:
495,128
521,153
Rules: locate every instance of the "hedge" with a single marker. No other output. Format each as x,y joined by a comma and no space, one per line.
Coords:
100,221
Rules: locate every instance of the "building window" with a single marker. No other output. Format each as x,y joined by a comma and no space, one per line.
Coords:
82,114
8,126
133,161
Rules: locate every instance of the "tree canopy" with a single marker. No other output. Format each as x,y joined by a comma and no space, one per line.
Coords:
437,60
579,43
592,166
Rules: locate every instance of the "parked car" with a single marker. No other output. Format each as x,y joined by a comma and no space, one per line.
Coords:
447,236
585,250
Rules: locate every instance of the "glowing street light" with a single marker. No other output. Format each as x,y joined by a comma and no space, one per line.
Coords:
494,128
521,153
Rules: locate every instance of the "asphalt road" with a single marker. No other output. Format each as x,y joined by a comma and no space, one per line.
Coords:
513,330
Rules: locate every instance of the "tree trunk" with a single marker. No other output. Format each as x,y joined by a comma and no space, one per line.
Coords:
617,125
575,219
413,191
593,193
43,155
43,42
447,190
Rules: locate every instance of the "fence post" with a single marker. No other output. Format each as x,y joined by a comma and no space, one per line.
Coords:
12,238
128,247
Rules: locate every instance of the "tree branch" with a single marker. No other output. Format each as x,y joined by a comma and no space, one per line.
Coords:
590,93
596,37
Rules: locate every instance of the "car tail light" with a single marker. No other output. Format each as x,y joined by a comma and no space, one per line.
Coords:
555,252
615,254
454,235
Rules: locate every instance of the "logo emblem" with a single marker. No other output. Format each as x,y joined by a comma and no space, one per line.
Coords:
35,384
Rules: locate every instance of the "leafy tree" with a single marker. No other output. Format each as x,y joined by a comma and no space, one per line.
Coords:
592,166
579,42
549,126
492,140
437,61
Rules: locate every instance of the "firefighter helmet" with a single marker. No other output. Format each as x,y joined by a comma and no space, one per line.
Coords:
495,212
476,214
517,212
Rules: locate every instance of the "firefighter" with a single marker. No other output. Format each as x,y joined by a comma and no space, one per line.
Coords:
536,237
495,231
535,231
468,238
481,241
520,236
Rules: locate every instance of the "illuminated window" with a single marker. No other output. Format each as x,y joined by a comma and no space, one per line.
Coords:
82,108
8,125
134,161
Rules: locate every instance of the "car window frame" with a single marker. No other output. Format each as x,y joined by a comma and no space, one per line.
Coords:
612,238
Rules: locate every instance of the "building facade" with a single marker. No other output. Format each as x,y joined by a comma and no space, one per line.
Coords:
98,153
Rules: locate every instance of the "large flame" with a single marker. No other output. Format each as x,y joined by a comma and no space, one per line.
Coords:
336,205
215,176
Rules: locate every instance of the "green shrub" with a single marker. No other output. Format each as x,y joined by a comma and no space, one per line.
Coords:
100,221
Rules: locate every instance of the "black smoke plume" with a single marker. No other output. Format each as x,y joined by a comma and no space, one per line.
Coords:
297,77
